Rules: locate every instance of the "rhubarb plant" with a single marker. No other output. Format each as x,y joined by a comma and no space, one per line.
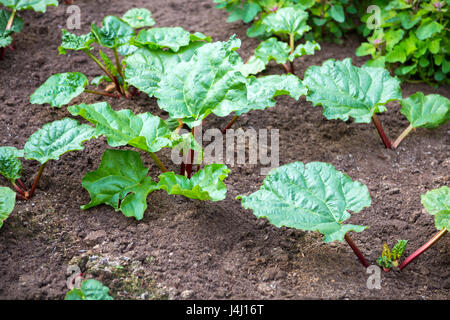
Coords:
90,289
311,197
48,143
423,111
346,91
10,23
7,203
390,259
436,203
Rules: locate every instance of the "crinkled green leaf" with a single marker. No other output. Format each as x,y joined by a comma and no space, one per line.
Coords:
120,181
5,41
36,5
114,32
7,203
206,184
208,83
314,197
98,80
289,20
273,49
57,138
365,49
307,48
91,289
424,111
254,65
145,67
173,38
10,165
398,249
138,18
71,41
60,89
262,91
437,203
16,27
143,131
347,91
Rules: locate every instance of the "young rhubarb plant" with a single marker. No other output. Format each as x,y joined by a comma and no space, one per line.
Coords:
390,259
423,111
314,197
91,289
10,23
347,91
437,203
48,143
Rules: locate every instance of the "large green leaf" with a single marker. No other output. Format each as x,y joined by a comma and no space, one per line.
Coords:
36,5
7,203
208,83
91,289
289,20
60,89
428,28
145,67
428,111
307,48
16,27
337,12
254,65
143,131
437,203
262,91
114,32
57,138
314,197
71,41
206,184
273,49
347,91
121,181
138,18
10,165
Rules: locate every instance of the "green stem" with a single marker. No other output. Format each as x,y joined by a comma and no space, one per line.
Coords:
402,136
120,70
36,180
292,46
11,20
158,162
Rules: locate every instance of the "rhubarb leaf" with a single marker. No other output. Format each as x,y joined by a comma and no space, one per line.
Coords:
73,42
60,89
314,197
172,38
145,67
347,91
209,83
90,290
121,182
273,49
307,48
10,165
57,138
7,203
139,18
206,184
254,65
114,32
289,20
143,131
428,111
36,5
5,41
437,203
262,91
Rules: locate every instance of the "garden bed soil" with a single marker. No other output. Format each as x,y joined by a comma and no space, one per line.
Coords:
185,249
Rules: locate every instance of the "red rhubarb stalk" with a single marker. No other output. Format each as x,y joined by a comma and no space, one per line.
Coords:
422,249
356,250
386,141
230,124
36,180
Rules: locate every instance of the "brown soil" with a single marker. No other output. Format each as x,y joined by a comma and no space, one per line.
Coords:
187,249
